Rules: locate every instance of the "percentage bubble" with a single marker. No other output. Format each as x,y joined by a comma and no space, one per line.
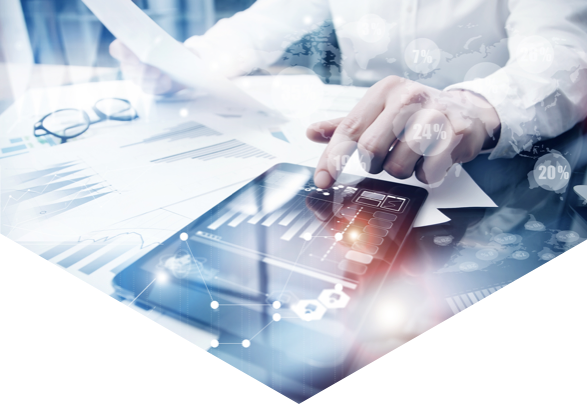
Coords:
425,133
296,99
422,55
425,54
534,54
534,225
564,174
372,28
546,169
469,266
443,241
487,254
505,238
547,256
520,255
567,236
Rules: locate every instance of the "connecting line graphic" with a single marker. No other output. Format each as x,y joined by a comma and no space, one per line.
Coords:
276,304
303,249
241,286
215,305
147,287
33,192
342,233
184,237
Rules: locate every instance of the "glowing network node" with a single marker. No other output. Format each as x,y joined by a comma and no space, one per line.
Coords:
276,304
276,317
214,305
246,343
183,112
183,236
214,343
338,287
338,236
307,236
161,276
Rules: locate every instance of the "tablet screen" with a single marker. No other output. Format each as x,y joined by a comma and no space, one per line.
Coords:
282,264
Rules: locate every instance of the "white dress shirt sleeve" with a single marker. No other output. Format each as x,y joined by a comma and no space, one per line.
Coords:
258,36
541,92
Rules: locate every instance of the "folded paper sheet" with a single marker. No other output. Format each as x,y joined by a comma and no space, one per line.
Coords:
155,47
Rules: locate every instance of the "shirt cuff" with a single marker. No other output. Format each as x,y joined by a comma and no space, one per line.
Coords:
496,90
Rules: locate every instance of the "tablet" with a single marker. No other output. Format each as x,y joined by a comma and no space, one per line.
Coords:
283,271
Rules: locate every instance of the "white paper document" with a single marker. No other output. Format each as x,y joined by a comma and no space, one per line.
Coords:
581,190
155,47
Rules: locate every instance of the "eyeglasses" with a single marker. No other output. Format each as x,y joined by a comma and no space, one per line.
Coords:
71,122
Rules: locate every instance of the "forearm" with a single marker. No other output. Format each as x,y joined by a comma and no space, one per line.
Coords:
542,90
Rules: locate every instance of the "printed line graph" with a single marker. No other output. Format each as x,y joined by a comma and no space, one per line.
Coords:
188,130
35,196
231,148
113,248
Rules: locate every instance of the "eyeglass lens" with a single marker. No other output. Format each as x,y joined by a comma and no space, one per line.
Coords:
116,108
67,122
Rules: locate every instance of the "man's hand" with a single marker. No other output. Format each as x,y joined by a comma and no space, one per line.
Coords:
403,127
149,78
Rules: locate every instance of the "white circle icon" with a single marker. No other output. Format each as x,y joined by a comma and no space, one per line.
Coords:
422,55
534,54
428,132
371,28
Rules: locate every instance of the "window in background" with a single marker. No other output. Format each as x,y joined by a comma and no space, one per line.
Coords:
65,32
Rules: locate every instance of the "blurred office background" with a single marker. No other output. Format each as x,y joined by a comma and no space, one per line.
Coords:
65,32
54,34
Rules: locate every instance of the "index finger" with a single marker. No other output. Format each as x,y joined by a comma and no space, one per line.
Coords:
344,140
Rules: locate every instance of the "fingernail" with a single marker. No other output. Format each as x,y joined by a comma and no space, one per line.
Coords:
322,179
